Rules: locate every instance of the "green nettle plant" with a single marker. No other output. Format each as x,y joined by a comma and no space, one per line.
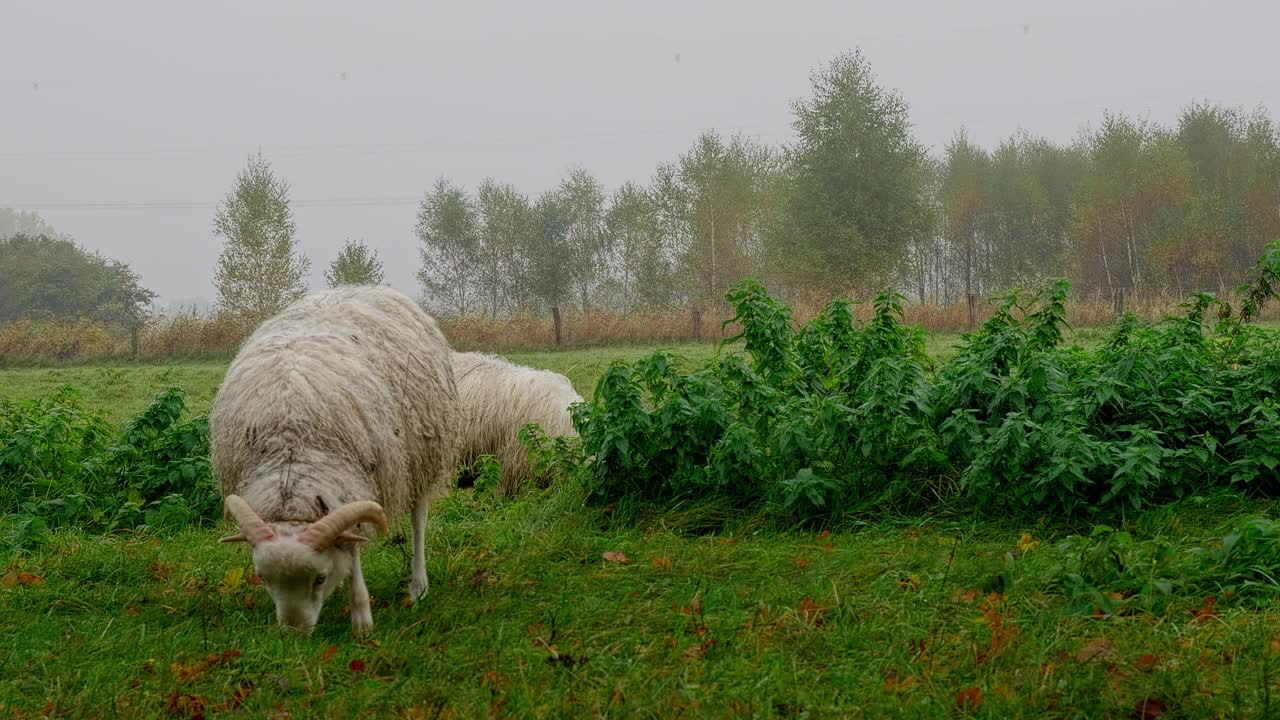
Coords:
65,466
835,417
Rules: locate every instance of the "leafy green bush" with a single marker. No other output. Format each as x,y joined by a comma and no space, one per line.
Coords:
816,421
834,417
65,466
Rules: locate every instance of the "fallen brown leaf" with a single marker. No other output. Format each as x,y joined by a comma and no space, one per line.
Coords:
696,652
328,653
13,579
1095,648
1146,663
235,700
1205,612
191,706
895,683
482,576
662,562
1148,708
616,556
969,698
813,613
161,571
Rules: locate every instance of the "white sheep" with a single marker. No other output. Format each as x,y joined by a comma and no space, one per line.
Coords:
336,412
497,399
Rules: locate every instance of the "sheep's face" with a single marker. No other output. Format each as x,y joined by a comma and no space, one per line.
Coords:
300,578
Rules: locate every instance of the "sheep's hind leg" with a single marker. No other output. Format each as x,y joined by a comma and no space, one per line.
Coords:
361,611
418,583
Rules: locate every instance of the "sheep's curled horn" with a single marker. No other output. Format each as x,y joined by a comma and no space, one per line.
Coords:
318,535
333,527
253,529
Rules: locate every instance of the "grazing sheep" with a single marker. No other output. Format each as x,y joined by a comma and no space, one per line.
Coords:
337,412
498,398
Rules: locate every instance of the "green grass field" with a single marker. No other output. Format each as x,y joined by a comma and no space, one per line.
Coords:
532,612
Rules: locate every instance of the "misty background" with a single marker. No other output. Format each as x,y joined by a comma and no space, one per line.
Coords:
125,124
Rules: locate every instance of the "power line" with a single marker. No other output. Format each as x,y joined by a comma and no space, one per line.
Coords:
427,144
370,201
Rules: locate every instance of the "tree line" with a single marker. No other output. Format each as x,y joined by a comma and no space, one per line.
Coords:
856,204
853,204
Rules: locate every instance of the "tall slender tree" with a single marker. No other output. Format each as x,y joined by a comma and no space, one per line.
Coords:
448,234
504,218
551,274
581,199
644,267
857,200
717,190
967,199
261,268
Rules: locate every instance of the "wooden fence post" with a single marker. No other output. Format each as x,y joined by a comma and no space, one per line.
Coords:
973,310
555,319
695,323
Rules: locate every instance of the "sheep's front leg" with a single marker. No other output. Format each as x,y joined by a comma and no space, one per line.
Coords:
418,582
361,610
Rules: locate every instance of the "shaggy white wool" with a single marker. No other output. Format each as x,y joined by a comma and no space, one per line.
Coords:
346,395
497,398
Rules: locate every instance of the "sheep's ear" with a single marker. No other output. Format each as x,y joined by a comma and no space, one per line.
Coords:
349,537
233,538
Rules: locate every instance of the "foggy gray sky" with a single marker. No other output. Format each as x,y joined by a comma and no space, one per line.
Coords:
152,104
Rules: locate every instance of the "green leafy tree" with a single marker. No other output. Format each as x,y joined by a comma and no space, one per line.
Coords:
261,269
355,264
551,278
504,218
449,240
1237,186
857,198
45,277
645,277
966,190
1138,179
581,200
717,191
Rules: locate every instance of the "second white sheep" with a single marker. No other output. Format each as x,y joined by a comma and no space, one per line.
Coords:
496,398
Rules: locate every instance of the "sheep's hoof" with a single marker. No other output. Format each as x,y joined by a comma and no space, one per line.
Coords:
417,588
361,621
